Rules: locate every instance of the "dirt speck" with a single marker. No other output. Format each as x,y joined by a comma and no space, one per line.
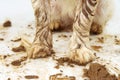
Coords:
31,77
101,40
19,49
7,23
117,42
56,40
18,62
16,40
1,39
8,79
63,36
4,56
96,48
57,66
98,72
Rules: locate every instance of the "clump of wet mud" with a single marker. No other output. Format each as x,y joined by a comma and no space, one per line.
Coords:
16,40
7,23
1,39
31,77
18,62
98,72
96,48
19,49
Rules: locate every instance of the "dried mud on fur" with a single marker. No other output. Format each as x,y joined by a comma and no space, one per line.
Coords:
98,72
7,23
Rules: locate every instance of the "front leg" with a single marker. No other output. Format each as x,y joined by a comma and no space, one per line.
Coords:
42,44
80,51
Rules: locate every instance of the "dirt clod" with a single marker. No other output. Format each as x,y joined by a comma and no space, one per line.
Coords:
69,62
8,79
98,72
101,40
1,39
60,77
16,40
18,62
7,23
31,77
19,49
96,48
63,36
117,41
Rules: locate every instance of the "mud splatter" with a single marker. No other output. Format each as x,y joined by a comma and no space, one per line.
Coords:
98,72
7,23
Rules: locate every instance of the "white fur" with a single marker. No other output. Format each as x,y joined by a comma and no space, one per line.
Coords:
104,12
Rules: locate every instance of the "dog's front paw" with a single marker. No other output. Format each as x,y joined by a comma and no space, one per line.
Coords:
82,55
38,51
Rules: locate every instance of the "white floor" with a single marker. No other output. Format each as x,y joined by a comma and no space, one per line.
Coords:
21,15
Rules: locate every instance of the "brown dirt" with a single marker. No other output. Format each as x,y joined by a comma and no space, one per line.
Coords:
101,40
96,29
16,40
18,62
4,56
1,39
19,49
117,41
98,72
31,77
60,77
7,23
63,35
69,62
96,48
8,79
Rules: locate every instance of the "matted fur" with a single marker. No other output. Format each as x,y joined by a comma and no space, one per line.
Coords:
83,15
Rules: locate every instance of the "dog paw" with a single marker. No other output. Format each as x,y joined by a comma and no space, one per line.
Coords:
82,55
38,51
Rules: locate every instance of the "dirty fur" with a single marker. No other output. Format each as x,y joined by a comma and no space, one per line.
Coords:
84,16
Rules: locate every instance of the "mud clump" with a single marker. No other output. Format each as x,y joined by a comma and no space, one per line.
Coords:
18,62
16,40
60,77
1,39
7,23
31,77
117,42
98,72
62,60
19,49
101,40
96,48
65,60
8,79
